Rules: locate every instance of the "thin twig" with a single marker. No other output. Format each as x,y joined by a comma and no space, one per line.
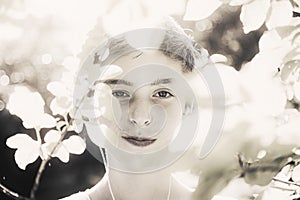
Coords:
44,162
38,178
286,182
12,194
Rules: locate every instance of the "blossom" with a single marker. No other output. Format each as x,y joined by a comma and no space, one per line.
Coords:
29,106
254,13
28,149
74,145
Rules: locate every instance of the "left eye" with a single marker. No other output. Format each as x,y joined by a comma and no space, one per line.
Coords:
163,94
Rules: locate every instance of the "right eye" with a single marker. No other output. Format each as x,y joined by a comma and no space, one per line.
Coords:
120,94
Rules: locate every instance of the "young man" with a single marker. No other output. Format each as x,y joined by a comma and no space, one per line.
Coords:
155,116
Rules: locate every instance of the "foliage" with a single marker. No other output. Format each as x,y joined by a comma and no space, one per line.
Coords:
262,98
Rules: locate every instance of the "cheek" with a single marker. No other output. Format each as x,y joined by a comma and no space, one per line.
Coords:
172,109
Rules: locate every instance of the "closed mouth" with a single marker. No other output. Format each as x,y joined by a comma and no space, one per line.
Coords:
138,141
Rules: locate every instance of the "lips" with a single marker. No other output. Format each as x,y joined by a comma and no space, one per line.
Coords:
138,141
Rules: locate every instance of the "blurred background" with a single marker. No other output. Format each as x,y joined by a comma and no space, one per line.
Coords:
38,41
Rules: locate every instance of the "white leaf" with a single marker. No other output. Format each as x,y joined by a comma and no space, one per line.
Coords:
62,153
25,104
18,140
25,156
254,14
77,126
281,13
47,121
42,120
200,9
60,105
269,40
52,136
27,149
75,144
110,71
57,88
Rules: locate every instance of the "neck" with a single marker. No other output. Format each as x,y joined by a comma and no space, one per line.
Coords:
146,186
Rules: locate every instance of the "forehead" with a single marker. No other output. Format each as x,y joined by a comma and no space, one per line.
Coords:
143,57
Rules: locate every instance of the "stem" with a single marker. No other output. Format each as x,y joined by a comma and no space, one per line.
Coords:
44,162
12,194
38,135
286,182
38,178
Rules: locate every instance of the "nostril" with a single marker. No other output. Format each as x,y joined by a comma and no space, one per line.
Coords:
132,121
147,122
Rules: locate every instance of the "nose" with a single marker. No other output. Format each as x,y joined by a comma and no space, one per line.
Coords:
140,122
140,115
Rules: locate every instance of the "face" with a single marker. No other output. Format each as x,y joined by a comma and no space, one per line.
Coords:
147,102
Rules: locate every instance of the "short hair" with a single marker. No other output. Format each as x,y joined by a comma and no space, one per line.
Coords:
176,45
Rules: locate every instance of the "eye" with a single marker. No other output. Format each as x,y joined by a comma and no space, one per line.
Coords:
163,94
120,94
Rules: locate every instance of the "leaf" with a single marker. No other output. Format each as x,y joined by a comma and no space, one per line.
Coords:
43,120
200,9
25,156
52,136
60,105
62,153
110,71
269,41
281,13
57,88
27,149
18,140
254,14
75,144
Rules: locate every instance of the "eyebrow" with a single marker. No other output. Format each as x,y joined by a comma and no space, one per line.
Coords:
162,81
124,82
117,82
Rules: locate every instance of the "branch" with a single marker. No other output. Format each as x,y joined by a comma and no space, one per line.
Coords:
44,162
12,194
286,182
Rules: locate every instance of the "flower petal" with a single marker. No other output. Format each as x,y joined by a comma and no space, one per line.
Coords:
60,105
47,121
25,156
52,136
19,140
62,153
27,149
254,14
281,13
200,9
75,144
57,88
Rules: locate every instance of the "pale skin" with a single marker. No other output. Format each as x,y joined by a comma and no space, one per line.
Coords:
138,120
